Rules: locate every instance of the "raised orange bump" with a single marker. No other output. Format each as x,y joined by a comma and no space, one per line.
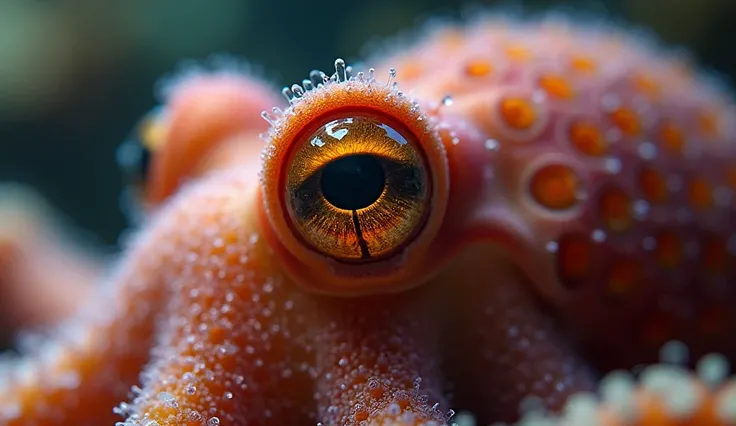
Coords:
646,85
518,53
627,121
669,249
615,209
708,123
672,139
518,113
588,139
583,64
555,186
700,193
653,185
478,68
556,86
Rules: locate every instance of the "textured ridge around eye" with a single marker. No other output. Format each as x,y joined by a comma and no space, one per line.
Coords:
396,133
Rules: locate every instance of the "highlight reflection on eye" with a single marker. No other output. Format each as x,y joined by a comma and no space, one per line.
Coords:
357,188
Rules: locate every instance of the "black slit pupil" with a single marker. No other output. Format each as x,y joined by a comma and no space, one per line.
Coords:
353,182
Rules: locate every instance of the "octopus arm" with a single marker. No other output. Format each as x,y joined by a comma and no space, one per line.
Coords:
90,366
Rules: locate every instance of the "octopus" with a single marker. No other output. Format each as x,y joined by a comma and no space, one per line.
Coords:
524,219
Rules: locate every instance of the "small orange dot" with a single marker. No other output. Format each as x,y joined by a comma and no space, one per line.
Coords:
451,39
615,209
574,259
518,53
700,193
478,68
669,249
518,113
555,186
627,121
583,64
623,277
653,185
556,86
715,255
646,85
672,139
587,138
708,123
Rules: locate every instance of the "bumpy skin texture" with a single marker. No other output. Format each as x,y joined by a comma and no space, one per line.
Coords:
548,256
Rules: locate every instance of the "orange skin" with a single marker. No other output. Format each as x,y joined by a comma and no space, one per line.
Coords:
223,311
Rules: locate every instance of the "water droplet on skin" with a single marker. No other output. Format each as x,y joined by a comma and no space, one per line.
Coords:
713,369
491,144
649,243
598,235
674,352
613,165
168,399
447,100
641,208
213,421
393,409
647,151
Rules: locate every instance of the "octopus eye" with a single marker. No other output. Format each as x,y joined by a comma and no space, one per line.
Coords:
357,188
354,184
135,153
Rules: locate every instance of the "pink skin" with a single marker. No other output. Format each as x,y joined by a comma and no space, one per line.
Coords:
45,276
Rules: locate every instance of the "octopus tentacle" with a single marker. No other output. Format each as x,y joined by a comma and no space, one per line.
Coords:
45,273
378,362
80,376
228,350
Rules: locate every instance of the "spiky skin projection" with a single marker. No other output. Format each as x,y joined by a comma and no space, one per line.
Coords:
579,218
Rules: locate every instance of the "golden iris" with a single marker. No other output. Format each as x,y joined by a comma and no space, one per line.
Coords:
357,188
